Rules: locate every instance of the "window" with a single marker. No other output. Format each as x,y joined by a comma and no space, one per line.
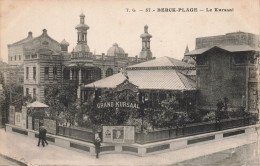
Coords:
45,92
91,75
34,73
109,72
46,73
240,59
15,57
202,60
66,74
11,58
19,57
27,73
34,93
27,91
55,73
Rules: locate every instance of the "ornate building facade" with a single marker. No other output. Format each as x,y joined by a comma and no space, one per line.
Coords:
43,64
45,61
86,67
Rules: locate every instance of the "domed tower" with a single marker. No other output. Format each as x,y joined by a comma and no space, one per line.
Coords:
64,45
116,51
146,52
82,28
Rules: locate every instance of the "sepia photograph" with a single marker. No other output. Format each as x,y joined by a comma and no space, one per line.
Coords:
129,83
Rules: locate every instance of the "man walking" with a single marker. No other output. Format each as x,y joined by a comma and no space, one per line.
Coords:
97,144
40,137
44,131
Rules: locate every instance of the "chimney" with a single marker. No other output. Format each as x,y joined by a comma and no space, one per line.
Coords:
30,34
44,31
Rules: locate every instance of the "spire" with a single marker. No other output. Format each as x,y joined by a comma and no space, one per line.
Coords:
146,29
82,18
145,52
186,50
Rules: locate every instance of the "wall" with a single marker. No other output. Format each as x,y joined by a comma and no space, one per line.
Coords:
221,79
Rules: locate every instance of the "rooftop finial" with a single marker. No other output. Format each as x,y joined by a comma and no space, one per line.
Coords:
82,17
146,28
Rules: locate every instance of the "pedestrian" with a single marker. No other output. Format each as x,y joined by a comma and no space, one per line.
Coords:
44,131
97,144
40,136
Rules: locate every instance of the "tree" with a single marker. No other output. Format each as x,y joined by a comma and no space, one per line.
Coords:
62,98
12,95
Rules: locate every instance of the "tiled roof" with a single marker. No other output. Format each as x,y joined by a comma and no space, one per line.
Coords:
22,41
162,62
149,79
233,48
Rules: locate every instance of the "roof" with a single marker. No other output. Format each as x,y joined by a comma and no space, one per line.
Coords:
232,48
162,62
82,26
114,50
157,80
145,34
27,39
37,104
82,47
64,42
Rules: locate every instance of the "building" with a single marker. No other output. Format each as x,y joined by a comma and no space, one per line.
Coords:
86,67
227,67
44,61
153,81
17,50
188,59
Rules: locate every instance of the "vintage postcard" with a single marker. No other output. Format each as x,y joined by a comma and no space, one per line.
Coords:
118,82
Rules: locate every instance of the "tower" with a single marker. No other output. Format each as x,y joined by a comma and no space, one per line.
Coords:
146,52
82,28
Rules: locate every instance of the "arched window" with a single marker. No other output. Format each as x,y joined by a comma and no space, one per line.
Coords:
98,74
109,72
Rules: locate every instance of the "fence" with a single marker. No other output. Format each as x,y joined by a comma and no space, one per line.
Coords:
76,133
161,135
189,130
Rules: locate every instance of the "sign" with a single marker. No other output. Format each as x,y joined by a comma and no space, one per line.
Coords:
118,134
11,115
18,119
24,117
50,125
117,104
30,122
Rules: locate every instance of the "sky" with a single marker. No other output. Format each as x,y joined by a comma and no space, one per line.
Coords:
110,22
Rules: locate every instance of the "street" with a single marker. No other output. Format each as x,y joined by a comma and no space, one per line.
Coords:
224,152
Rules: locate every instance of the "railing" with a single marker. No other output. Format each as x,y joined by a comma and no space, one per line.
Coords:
161,135
189,130
76,133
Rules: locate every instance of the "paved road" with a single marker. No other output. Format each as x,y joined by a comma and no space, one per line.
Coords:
246,155
24,148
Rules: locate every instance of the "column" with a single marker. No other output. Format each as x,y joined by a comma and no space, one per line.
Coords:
70,74
80,77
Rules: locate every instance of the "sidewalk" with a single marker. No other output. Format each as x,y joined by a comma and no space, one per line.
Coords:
26,150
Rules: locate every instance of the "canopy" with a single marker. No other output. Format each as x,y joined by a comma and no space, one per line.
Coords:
37,104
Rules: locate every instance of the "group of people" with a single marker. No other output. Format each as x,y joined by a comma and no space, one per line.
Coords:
42,136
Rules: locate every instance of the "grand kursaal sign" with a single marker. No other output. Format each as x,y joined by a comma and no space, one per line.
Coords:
118,104
119,134
124,86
